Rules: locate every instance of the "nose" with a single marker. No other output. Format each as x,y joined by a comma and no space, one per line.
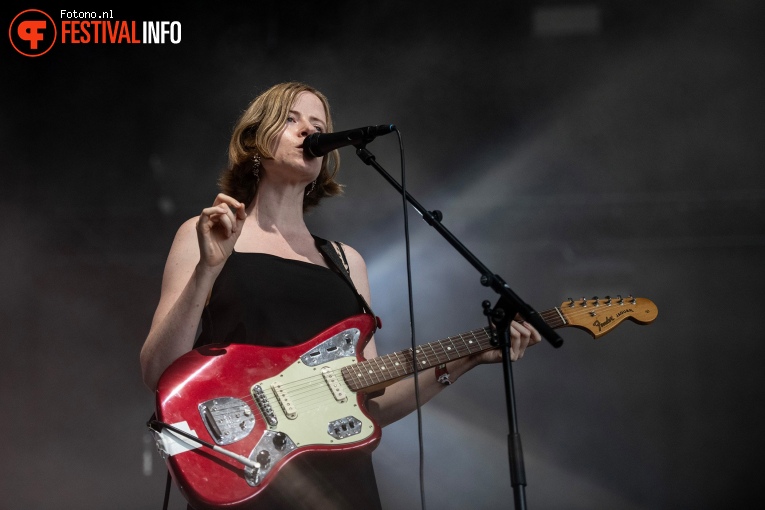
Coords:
307,129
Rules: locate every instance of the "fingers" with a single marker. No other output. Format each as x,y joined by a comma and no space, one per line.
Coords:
218,229
226,213
516,341
522,335
220,217
238,207
535,336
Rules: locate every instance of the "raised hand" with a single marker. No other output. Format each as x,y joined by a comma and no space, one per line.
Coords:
218,229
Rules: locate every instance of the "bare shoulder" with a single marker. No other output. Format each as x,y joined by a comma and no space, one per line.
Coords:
187,228
180,263
185,235
184,252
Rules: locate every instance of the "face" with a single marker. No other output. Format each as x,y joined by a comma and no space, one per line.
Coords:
306,116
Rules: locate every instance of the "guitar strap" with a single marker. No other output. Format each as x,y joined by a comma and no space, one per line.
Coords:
333,251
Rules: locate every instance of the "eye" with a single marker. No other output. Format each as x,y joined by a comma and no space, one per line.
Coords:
290,118
319,129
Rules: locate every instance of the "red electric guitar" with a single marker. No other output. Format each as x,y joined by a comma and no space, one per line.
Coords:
230,416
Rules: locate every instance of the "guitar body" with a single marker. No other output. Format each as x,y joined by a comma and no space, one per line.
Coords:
231,416
266,404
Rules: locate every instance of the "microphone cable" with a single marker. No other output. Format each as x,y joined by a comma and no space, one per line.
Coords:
411,321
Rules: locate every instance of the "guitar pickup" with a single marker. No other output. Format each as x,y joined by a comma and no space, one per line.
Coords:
284,400
334,384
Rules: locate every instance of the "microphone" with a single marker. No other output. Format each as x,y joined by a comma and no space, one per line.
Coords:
319,144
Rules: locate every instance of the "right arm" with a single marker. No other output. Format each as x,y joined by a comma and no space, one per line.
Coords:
200,249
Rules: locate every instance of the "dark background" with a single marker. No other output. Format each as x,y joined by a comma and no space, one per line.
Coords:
622,156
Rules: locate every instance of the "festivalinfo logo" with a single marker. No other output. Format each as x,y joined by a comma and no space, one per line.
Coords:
33,32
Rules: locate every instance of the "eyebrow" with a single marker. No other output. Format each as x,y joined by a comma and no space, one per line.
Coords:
312,119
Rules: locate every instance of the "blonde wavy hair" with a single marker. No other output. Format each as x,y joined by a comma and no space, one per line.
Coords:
256,132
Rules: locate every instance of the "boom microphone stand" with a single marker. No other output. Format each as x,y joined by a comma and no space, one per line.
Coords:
508,306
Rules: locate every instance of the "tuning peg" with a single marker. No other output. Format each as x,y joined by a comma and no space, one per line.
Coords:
584,302
571,302
632,299
608,300
595,301
621,299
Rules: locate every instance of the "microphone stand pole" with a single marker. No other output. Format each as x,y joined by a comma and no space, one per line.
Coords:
508,306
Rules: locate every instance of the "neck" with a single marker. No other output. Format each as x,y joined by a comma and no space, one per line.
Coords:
278,210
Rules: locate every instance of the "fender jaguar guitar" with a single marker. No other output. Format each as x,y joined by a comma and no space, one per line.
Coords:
230,416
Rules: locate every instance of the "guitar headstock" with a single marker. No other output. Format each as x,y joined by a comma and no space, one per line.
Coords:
599,316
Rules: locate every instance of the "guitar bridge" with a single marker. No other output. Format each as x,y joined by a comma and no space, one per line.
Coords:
227,419
263,404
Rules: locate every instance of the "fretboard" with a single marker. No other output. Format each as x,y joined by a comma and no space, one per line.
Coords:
386,369
390,367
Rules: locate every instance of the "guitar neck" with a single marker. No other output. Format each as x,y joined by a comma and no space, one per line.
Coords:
384,370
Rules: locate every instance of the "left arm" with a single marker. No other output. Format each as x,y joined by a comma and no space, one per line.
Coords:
399,398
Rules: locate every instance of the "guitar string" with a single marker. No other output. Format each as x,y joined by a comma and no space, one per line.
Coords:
376,374
307,389
376,370
317,393
303,392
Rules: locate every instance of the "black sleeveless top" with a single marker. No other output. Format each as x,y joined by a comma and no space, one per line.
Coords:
267,300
